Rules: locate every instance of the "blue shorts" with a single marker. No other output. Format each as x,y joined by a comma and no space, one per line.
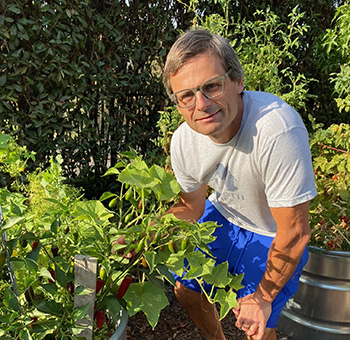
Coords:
246,252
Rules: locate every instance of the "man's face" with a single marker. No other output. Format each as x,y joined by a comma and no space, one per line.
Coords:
220,117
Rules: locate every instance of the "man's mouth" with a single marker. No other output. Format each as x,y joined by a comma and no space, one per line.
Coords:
207,118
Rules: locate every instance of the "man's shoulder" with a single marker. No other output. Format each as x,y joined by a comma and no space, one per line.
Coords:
184,133
270,111
265,101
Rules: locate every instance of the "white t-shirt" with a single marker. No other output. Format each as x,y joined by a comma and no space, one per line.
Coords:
266,164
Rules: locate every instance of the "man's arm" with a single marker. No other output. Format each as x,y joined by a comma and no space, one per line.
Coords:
293,234
190,205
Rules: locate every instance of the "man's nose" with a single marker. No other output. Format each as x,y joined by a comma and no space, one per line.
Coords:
202,101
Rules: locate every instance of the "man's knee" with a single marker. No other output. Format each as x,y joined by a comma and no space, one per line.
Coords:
186,295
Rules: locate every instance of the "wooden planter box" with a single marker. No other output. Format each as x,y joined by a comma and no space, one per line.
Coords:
85,275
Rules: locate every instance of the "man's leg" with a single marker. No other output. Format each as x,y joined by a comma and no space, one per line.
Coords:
201,311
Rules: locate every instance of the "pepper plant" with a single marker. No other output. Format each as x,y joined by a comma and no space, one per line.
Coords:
49,222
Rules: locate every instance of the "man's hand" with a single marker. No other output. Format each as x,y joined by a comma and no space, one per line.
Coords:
252,315
121,240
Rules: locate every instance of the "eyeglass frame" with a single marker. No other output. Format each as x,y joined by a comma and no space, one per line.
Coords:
199,88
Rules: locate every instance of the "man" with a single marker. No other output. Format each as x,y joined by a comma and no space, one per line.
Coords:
252,149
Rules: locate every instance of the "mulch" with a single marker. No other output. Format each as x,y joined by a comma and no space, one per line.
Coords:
174,324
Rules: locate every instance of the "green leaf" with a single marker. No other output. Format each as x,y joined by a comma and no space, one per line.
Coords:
61,277
147,298
28,281
45,274
175,263
219,276
227,300
107,195
92,210
48,288
31,263
138,174
12,222
164,271
150,257
81,290
25,335
2,83
10,300
50,307
80,312
167,187
236,281
14,9
111,171
204,268
344,194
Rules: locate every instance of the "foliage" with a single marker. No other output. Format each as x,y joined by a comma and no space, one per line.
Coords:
42,240
168,122
336,42
82,79
265,48
13,161
330,210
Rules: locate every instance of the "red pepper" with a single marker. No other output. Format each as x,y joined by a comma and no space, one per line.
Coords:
100,318
99,285
124,286
34,321
54,251
70,288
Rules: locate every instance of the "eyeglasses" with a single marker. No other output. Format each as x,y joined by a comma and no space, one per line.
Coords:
210,89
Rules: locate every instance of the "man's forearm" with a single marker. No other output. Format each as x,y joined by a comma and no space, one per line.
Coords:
184,212
283,259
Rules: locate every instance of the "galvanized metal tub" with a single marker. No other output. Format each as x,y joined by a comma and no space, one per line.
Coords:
320,310
121,321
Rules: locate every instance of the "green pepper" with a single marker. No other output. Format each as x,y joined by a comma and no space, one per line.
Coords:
128,194
103,273
113,203
140,246
128,218
184,243
172,247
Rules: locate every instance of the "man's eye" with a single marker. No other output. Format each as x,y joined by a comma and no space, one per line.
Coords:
211,87
185,96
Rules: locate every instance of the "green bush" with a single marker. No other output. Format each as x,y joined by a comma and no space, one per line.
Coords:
82,79
336,42
330,209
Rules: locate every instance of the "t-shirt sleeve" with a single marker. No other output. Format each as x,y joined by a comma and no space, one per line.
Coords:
287,169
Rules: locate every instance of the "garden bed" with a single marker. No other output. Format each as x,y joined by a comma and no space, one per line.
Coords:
174,324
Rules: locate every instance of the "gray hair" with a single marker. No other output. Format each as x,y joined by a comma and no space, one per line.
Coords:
195,42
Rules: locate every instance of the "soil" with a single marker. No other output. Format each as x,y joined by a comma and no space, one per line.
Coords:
174,324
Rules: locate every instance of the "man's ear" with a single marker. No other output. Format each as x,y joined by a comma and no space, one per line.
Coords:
240,85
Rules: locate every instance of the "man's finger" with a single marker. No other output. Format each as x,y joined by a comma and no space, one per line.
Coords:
252,329
260,331
236,311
